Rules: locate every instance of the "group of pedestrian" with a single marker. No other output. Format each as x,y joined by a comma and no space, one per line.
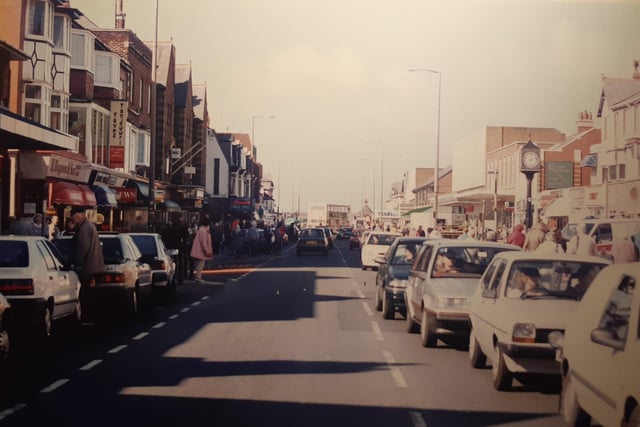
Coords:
36,225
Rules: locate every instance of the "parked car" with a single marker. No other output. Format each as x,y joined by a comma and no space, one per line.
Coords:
5,322
344,233
599,352
354,240
35,281
161,261
376,243
441,282
126,284
393,272
603,232
522,297
312,240
363,237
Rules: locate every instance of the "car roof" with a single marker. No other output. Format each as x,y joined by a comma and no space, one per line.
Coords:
21,237
411,239
389,233
472,243
545,256
143,234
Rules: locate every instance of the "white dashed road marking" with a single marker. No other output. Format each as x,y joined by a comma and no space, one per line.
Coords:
174,316
398,378
140,336
91,364
377,331
195,303
55,385
184,310
4,414
117,349
417,420
206,297
159,325
367,308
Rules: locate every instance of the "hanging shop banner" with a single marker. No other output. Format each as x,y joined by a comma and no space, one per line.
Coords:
118,124
116,157
69,169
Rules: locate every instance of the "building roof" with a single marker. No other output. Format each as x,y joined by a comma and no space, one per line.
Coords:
165,52
199,93
618,91
429,182
183,78
245,140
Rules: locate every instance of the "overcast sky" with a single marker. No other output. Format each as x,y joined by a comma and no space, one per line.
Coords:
335,75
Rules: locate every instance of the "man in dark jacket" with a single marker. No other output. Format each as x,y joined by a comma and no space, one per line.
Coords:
86,251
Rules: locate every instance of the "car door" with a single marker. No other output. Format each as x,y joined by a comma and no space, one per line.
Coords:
605,373
420,273
490,310
143,269
383,268
56,281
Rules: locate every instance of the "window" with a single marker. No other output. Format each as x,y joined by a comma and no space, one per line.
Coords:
216,176
618,309
149,100
32,111
142,149
82,53
37,16
141,93
612,172
58,115
605,174
622,171
104,69
59,32
131,88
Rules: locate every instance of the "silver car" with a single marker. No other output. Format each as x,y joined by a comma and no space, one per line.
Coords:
163,266
442,281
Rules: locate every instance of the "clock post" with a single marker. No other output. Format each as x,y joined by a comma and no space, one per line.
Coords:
529,166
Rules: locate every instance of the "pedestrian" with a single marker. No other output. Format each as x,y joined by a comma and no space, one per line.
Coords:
420,232
38,228
623,250
516,237
201,250
86,251
11,225
217,238
549,245
69,227
435,233
534,237
581,243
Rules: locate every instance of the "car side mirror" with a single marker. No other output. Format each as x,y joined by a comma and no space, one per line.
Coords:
379,259
490,293
606,337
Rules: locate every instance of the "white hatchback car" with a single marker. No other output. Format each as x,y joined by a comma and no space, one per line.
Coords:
36,284
600,352
375,243
522,298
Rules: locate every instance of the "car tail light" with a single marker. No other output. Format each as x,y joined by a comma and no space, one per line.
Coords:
16,286
108,278
158,264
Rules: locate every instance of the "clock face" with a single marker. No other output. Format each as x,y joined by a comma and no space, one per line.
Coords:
530,160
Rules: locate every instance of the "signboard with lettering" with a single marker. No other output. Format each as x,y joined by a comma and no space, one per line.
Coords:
126,195
118,123
68,169
116,157
558,175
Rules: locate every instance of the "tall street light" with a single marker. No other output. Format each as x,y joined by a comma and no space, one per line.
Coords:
253,124
437,172
381,177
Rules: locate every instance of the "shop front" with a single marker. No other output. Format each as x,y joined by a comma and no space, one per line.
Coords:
191,200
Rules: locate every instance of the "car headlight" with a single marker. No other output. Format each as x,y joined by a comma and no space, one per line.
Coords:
524,332
556,339
448,302
397,283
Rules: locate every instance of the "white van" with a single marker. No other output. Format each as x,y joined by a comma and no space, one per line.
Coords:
604,231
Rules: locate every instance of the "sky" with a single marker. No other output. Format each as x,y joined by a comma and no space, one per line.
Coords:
335,74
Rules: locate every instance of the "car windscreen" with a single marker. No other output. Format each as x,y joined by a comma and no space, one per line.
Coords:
550,279
381,239
112,251
146,244
14,254
463,261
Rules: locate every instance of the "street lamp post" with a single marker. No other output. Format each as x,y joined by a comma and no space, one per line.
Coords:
437,172
495,195
253,125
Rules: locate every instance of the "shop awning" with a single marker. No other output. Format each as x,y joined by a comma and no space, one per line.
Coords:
66,193
88,195
171,206
418,210
105,196
143,190
589,161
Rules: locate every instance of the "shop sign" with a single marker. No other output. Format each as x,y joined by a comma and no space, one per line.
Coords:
116,157
65,168
118,124
126,195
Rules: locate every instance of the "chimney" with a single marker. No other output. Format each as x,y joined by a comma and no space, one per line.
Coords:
584,122
636,69
119,15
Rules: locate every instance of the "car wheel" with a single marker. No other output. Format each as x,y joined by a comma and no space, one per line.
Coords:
477,358
634,418
387,308
502,378
133,304
571,411
411,326
77,313
427,336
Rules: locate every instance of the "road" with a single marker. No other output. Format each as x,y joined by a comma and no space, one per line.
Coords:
291,341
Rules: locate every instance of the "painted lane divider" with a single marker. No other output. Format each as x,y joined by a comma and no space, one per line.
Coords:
117,349
184,310
140,336
397,376
158,325
55,385
417,420
91,364
174,316
367,308
4,414
377,331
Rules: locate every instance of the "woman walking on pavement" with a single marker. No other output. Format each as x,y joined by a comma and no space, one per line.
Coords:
201,250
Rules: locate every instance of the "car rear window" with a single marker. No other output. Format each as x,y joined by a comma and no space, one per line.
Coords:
146,244
314,234
14,253
382,239
112,251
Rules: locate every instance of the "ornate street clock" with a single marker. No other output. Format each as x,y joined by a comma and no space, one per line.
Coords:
530,158
529,166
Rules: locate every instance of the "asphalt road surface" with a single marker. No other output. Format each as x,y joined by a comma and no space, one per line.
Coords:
287,341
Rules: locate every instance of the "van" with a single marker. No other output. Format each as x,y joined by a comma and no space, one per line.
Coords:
604,232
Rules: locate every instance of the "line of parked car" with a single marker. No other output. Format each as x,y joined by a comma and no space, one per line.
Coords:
38,289
524,313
